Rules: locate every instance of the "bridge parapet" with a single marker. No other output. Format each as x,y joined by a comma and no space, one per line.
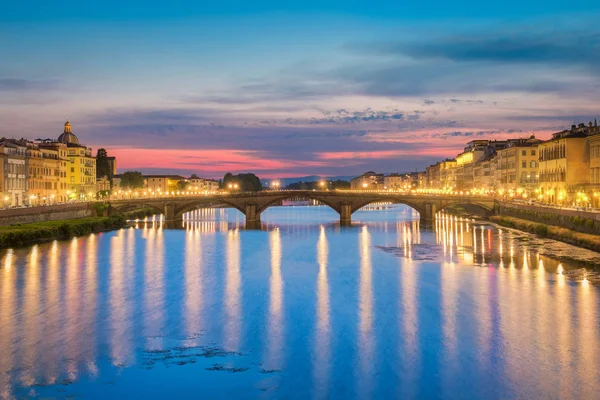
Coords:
345,203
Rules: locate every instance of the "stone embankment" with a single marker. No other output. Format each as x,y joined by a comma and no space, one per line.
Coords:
585,240
576,220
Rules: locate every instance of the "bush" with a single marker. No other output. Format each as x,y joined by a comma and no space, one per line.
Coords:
541,230
40,231
100,208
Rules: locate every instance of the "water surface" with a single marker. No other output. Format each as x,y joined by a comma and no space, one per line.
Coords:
302,309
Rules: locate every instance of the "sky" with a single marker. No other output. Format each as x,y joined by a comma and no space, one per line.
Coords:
293,88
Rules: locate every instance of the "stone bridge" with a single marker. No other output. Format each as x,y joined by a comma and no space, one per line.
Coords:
345,203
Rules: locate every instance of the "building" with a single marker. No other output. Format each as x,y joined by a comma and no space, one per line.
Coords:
112,163
44,174
201,184
81,166
594,170
448,174
15,180
564,165
433,176
102,186
51,146
485,181
517,168
475,151
393,182
367,181
162,183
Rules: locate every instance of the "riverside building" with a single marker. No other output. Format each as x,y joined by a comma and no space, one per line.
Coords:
81,166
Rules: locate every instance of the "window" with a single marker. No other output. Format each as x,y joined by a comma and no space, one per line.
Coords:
524,164
523,152
532,164
72,169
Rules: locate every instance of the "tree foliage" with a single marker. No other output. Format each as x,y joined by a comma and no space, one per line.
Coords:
102,166
182,185
132,180
245,182
339,184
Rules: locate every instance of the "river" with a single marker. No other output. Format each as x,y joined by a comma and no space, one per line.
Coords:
301,309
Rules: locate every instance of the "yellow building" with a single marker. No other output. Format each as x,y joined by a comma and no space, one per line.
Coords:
60,150
563,166
517,168
162,183
81,167
448,174
594,171
44,167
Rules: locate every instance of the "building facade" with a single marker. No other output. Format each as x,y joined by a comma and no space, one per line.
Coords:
15,177
81,166
44,170
517,168
563,166
368,181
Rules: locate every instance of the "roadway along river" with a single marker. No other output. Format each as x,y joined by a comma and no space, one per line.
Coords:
302,309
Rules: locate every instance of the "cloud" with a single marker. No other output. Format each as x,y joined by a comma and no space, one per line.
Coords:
509,46
557,60
16,84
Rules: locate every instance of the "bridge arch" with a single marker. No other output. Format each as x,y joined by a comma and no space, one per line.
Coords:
485,207
275,200
192,205
389,199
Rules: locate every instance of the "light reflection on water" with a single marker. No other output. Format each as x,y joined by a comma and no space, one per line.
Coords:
301,309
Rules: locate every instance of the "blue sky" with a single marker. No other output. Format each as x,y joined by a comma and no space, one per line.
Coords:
294,88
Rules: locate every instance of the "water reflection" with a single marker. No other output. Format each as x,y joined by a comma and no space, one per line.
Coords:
275,326
323,329
366,338
232,295
194,288
154,290
384,308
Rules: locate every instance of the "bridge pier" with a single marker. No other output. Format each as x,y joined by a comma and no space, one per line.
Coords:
345,213
252,214
169,212
428,214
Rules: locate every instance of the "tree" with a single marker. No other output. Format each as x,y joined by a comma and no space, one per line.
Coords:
244,182
132,180
182,185
102,166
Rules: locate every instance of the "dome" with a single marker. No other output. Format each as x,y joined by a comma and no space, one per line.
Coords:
68,137
533,140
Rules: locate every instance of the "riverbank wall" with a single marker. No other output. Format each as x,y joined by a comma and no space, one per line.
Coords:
60,212
585,240
575,220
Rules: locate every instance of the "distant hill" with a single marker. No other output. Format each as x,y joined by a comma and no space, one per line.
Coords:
310,178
